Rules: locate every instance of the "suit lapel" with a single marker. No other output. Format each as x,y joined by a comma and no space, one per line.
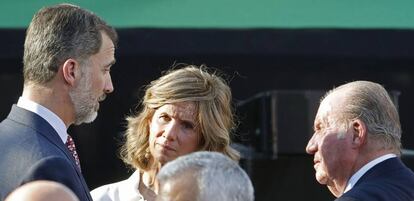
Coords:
42,127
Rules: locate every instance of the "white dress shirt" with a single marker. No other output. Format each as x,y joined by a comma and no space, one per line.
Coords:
126,190
354,179
46,114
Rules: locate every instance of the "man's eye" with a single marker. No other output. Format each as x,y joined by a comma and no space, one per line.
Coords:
318,129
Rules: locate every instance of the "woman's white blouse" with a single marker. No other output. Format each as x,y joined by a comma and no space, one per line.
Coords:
126,190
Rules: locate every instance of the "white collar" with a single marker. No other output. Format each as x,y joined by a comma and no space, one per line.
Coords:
125,190
354,179
46,114
128,190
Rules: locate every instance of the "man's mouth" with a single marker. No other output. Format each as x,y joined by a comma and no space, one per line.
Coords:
101,98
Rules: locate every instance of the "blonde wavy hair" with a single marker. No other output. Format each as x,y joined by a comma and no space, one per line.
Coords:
215,118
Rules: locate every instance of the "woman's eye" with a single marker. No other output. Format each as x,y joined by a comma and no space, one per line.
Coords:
164,118
188,125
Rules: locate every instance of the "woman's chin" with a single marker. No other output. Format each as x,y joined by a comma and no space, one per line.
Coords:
164,159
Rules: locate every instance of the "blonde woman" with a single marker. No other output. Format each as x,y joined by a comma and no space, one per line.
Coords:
188,109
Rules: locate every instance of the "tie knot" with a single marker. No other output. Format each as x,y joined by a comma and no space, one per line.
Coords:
69,141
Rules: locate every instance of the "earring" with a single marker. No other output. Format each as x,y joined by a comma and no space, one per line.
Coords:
147,153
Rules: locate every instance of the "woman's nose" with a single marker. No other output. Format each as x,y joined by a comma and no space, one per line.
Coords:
170,131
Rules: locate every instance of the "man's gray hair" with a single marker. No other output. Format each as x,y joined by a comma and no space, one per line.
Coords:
371,103
215,175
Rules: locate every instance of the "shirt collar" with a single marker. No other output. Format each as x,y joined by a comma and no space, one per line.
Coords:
46,114
128,190
354,179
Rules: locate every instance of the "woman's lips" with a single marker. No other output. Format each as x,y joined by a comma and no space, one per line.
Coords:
167,147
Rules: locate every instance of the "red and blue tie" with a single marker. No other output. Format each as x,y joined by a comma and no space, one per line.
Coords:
72,148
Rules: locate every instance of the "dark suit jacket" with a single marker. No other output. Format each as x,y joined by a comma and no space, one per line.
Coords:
389,180
30,149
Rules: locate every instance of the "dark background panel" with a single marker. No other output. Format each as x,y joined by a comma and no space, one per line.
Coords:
255,61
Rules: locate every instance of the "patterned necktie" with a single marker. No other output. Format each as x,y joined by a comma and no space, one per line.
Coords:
71,146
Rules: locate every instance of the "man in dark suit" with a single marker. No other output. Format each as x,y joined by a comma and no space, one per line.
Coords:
357,144
68,53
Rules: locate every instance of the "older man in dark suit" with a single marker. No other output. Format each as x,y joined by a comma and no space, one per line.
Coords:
356,145
68,53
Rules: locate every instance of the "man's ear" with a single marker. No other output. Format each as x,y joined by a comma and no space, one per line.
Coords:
70,70
360,134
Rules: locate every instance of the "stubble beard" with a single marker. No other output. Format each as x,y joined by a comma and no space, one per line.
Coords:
85,105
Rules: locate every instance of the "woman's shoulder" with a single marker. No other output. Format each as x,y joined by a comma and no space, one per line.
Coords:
108,192
122,190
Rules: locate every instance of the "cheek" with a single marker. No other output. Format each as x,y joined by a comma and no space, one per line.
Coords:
154,129
334,153
101,83
189,143
152,134
98,81
328,151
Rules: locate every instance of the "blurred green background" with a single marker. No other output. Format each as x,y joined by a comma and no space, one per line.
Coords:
230,13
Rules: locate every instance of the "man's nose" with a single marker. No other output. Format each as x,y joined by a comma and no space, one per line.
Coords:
109,88
312,146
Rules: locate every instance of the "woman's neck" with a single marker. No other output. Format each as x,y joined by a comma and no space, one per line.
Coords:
147,188
149,179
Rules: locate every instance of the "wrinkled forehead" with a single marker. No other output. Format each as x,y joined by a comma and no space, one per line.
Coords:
330,106
183,109
325,108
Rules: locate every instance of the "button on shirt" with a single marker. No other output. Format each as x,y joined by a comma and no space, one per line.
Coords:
46,114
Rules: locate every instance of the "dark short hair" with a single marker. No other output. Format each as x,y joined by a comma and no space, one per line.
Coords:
60,32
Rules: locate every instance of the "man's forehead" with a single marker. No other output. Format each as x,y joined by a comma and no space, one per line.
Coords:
324,108
330,108
327,109
183,189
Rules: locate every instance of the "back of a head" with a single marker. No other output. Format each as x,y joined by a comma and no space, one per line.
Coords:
57,33
212,175
42,191
371,103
